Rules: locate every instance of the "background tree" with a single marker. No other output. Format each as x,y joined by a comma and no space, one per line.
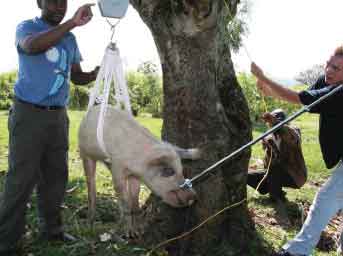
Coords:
203,107
310,75
237,26
153,85
148,68
79,96
259,104
145,89
7,81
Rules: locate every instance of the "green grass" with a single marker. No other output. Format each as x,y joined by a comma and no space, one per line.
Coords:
3,141
271,230
75,207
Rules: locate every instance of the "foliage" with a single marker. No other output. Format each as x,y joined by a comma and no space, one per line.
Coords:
271,233
78,94
145,88
147,68
135,82
237,26
311,75
7,81
78,97
259,104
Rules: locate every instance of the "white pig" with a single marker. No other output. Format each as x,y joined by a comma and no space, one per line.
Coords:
133,154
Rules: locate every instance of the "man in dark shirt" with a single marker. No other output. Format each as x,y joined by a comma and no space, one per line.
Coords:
329,198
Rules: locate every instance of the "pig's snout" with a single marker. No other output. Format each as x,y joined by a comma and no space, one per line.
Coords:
181,198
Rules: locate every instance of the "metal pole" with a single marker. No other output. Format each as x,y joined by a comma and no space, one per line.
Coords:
188,182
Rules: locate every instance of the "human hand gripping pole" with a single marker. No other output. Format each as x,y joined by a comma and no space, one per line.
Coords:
259,74
189,182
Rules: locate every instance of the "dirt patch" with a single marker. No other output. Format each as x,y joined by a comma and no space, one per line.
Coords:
329,237
315,184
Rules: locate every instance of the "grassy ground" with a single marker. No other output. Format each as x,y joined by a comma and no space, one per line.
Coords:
265,214
269,222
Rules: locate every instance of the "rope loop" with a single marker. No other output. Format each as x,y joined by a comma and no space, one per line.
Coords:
113,27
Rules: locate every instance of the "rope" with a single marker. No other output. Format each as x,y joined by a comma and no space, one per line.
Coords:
246,53
111,70
104,78
264,103
113,27
243,45
196,227
207,219
265,176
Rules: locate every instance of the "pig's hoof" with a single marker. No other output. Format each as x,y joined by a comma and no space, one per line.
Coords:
134,234
134,225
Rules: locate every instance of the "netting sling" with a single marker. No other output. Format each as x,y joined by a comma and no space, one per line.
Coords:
111,72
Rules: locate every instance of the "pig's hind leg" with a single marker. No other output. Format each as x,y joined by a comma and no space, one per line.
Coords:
89,166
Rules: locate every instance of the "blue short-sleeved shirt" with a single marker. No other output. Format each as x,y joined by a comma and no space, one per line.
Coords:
44,78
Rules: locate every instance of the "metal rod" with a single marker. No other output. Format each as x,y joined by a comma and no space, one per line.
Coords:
188,182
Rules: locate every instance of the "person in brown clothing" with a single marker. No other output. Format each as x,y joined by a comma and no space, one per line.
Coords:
284,164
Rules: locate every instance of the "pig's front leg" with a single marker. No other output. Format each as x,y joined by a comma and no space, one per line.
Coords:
128,188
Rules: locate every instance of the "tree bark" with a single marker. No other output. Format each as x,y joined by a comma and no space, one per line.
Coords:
203,107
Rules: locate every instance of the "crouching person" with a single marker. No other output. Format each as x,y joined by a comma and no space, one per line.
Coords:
284,164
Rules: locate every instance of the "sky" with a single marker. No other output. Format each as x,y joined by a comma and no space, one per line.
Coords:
285,37
132,35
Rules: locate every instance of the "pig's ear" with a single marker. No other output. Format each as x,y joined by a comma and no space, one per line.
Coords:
160,154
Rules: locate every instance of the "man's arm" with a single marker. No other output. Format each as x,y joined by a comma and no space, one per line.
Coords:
81,78
40,42
271,88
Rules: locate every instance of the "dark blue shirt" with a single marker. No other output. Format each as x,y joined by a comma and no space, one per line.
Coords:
330,120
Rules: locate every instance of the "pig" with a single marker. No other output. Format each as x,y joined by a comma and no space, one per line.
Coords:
133,155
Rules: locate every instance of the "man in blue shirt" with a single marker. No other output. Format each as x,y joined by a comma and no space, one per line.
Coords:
38,124
328,201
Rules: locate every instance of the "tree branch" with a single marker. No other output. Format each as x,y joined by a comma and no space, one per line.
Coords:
200,9
135,3
145,7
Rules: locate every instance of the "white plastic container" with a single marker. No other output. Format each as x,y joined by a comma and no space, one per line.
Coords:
113,8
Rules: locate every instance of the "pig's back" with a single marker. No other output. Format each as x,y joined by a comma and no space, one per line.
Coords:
123,135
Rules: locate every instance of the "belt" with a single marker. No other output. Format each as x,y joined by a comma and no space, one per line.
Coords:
40,106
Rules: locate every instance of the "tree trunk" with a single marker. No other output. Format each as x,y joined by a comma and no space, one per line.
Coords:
203,107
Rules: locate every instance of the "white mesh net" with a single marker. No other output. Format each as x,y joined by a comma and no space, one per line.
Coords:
111,72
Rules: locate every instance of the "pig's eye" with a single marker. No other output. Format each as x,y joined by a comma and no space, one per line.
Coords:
167,172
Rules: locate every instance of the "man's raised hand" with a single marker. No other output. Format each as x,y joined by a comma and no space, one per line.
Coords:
257,71
83,15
